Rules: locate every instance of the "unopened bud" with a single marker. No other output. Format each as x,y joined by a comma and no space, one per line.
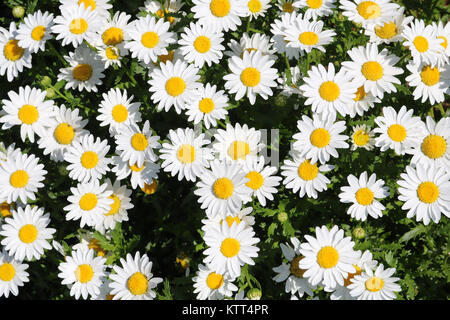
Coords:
18,12
254,294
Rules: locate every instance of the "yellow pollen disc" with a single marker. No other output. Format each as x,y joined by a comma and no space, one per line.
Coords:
361,138
369,10
175,86
78,26
95,245
112,53
314,4
250,77
7,272
360,94
256,180
223,188
214,281
112,36
434,146
295,269
397,132
230,247
186,153
88,201
82,72
38,33
119,113
5,209
115,206
238,150
202,44
308,38
421,44
327,257
220,8
19,179
329,91
28,114
137,284
89,159
109,296
150,188
84,273
387,31
230,220
206,105
374,284
372,70
135,168
320,138
163,14
254,6
28,233
88,3
166,57
150,39
428,192
430,76
364,196
12,50
445,43
64,133
288,7
139,142
308,171
347,281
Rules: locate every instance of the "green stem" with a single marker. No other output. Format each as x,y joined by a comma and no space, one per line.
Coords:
58,54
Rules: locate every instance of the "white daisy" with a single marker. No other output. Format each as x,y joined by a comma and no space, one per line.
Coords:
316,9
167,10
35,31
391,30
110,56
362,102
257,8
211,285
286,6
290,86
242,216
100,7
256,42
278,28
362,137
140,176
368,13
221,15
88,241
12,274
443,33
114,33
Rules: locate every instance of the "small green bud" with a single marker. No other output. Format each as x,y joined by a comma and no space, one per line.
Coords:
18,12
281,100
46,81
254,294
50,93
62,170
359,233
282,216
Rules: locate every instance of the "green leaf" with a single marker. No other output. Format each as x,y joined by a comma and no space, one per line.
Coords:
413,233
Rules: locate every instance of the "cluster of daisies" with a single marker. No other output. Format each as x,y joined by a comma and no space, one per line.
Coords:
225,167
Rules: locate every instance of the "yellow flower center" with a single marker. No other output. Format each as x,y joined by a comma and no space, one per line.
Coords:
230,220
150,188
360,94
112,36
428,192
434,146
78,26
421,44
115,206
387,31
88,201
186,153
7,272
19,179
220,8
238,150
12,50
166,57
445,42
369,10
206,105
84,273
119,113
38,33
308,171
175,86
139,142
5,209
89,159
150,39
430,76
214,281
28,114
82,72
295,269
256,180
374,284
329,91
88,3
347,281
137,284
223,188
95,245
28,233
364,196
320,138
135,168
288,7
64,133
254,6
372,70
230,247
314,4
361,137
327,257
397,132
112,53
250,77
308,38
202,44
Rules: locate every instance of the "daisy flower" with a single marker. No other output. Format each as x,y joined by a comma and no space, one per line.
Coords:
378,285
87,158
251,75
286,6
207,106
117,111
173,84
13,58
164,10
35,31
221,15
256,42
87,241
302,174
27,109
319,138
20,177
364,194
328,258
100,7
8,151
398,131
443,33
362,137
278,28
200,44
26,234
389,31
257,8
12,274
89,203
114,33
67,127
425,191
134,279
221,189
142,176
230,248
290,87
315,9
211,285
362,102
328,92
110,56
243,216
290,272
136,145
105,290
82,273
372,69
368,13
186,154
